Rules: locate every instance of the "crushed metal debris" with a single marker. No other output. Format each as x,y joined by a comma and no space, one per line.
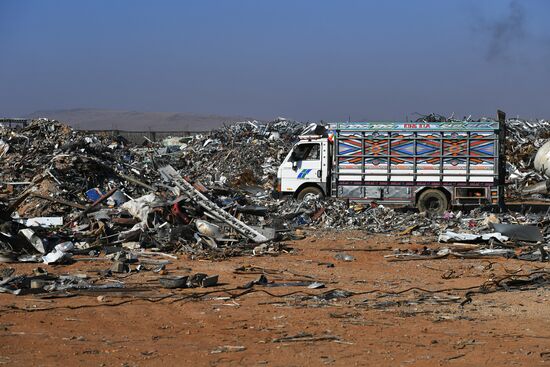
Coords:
67,196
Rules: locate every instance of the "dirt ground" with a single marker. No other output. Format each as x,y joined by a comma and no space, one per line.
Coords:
145,325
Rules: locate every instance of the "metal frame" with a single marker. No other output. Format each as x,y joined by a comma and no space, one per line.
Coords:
362,129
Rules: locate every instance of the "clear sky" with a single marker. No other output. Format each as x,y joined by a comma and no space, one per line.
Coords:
307,60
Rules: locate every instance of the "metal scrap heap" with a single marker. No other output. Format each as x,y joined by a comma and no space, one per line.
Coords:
60,186
66,192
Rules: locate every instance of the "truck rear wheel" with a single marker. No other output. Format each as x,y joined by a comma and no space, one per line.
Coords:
433,202
310,191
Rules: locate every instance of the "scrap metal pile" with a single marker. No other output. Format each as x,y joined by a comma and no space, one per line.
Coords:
66,192
524,140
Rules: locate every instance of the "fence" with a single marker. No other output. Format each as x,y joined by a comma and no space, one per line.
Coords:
14,122
138,137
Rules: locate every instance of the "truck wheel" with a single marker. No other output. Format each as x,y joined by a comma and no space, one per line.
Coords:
310,191
432,202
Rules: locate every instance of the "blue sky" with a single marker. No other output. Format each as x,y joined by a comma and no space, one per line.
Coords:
307,60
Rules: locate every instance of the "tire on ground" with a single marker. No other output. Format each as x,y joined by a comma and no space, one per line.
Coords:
433,201
311,190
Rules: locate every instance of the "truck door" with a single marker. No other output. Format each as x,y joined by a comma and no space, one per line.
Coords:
302,165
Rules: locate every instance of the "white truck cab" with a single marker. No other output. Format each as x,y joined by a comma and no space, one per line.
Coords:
306,168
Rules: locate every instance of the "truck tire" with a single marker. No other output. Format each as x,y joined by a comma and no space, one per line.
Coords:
433,202
311,190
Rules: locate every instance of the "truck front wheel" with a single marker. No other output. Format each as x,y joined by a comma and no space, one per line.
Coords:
310,191
432,202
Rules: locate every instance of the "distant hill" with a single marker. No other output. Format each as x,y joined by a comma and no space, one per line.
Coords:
97,119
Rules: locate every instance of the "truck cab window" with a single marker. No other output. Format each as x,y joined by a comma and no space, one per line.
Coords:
307,152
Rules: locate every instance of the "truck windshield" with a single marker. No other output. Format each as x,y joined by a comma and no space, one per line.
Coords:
307,152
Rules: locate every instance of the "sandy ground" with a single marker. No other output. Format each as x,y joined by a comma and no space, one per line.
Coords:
145,325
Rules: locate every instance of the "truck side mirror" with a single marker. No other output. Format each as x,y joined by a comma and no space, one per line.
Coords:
294,165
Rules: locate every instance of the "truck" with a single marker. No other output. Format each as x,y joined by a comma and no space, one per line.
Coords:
430,165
